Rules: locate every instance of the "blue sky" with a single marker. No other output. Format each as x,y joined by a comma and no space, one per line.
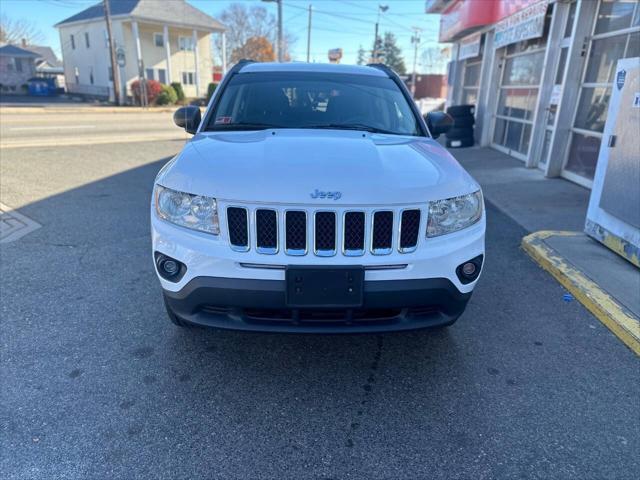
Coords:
336,23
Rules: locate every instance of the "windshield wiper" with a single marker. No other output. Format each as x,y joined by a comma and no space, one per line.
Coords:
240,126
350,126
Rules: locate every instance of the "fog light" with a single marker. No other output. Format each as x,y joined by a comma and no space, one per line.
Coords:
468,269
169,268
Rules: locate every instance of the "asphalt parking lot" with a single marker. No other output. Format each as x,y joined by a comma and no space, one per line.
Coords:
96,383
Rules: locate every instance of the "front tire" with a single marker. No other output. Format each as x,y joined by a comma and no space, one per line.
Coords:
173,317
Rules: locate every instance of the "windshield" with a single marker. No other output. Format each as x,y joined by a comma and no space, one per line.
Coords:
253,101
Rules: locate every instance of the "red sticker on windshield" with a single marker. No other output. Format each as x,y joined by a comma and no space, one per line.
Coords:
223,120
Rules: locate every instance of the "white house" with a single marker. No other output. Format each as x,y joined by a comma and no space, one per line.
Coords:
168,41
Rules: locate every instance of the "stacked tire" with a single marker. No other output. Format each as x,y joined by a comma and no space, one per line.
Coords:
461,134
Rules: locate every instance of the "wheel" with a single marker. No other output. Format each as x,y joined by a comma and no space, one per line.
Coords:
458,133
173,317
461,122
460,142
461,110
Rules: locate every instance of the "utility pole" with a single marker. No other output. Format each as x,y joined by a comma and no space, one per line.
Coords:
374,53
280,45
309,35
112,50
415,39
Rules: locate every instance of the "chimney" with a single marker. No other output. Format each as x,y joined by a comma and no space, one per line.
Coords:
24,42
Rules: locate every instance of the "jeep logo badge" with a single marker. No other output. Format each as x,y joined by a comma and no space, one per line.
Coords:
329,195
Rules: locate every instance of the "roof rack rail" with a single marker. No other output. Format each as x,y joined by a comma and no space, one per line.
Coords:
385,68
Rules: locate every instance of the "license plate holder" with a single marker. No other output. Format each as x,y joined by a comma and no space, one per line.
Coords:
324,287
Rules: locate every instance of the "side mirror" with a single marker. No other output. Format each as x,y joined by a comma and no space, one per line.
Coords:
438,123
188,118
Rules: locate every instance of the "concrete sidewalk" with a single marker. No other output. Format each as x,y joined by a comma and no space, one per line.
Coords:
554,211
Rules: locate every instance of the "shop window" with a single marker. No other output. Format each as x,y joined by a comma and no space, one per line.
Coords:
562,61
592,108
603,57
518,102
523,69
570,19
545,146
583,155
614,15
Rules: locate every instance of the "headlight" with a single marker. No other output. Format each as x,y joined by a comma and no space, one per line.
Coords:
453,214
191,211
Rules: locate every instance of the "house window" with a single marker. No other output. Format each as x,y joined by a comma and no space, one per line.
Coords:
162,75
18,64
86,39
73,42
158,39
188,78
110,73
76,74
11,64
91,75
185,43
149,74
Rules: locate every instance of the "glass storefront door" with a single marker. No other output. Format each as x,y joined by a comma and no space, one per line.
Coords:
616,34
518,96
552,109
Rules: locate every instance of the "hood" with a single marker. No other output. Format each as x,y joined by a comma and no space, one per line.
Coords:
298,166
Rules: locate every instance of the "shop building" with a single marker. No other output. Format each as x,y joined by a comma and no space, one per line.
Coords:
540,73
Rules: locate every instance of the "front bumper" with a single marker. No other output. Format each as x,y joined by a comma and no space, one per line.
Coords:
260,305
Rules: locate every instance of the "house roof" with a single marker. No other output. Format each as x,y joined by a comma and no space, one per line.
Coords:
9,50
46,54
175,12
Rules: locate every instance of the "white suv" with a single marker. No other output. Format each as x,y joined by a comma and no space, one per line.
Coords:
314,198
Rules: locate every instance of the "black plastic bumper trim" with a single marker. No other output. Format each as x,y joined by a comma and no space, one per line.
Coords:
233,296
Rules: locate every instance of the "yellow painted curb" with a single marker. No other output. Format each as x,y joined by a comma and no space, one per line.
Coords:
616,318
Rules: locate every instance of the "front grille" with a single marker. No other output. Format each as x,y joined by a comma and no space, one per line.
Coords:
382,236
238,224
324,232
322,316
409,230
296,232
266,231
354,241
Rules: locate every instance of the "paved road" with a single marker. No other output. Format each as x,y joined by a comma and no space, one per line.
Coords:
59,127
96,383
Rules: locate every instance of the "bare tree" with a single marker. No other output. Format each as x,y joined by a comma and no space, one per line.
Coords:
435,58
243,23
15,31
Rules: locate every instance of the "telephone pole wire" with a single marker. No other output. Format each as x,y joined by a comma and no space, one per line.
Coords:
112,50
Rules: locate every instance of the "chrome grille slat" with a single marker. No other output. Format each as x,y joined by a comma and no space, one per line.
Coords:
296,231
295,225
353,234
266,224
325,231
409,230
238,225
382,232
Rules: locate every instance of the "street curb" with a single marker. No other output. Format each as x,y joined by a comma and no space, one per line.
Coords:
614,316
